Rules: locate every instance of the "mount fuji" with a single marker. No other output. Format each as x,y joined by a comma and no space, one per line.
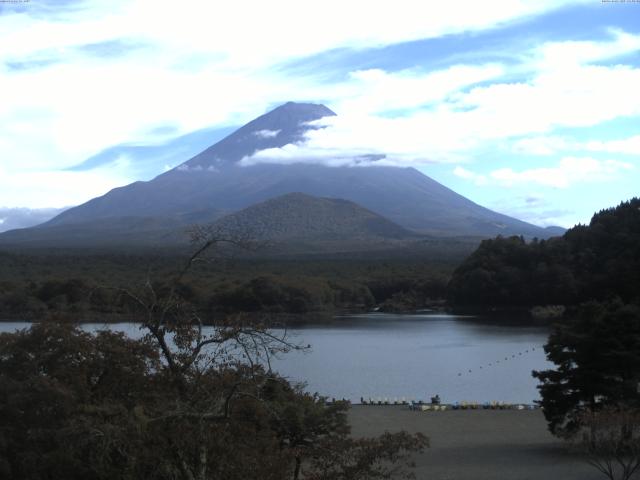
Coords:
216,183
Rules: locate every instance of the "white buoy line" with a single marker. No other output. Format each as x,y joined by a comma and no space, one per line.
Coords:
502,360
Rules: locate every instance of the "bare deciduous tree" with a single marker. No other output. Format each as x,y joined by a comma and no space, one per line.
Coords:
211,364
610,438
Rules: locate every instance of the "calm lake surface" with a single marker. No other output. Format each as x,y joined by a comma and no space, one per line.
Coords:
408,356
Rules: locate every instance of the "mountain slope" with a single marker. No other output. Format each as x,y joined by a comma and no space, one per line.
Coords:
403,195
214,183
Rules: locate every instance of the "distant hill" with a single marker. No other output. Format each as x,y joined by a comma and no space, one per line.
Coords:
596,261
116,232
214,183
299,217
12,218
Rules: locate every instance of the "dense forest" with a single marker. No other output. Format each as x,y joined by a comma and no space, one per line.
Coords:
589,262
88,285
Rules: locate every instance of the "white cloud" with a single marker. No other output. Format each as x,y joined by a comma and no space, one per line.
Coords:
458,123
283,28
628,146
46,188
569,171
201,57
553,94
551,145
267,133
447,115
55,189
563,98
332,157
353,139
423,136
374,91
462,172
196,66
542,145
535,208
197,168
568,54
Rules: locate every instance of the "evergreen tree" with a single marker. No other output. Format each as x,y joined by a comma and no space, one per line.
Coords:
597,354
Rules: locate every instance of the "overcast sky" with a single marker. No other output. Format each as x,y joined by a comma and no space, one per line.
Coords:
530,108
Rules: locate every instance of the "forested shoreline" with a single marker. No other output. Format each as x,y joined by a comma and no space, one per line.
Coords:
90,287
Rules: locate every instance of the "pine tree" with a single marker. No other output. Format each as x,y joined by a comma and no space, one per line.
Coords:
597,354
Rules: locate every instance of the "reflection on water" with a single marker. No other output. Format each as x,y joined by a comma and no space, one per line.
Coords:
410,356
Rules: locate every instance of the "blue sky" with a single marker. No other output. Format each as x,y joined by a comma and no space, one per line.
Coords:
530,108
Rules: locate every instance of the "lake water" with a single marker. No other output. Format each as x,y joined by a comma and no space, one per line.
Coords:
409,356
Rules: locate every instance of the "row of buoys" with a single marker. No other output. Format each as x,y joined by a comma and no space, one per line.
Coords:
507,358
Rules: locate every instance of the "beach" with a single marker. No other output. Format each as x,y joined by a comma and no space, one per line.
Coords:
478,444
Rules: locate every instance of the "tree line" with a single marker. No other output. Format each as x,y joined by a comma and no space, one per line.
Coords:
589,262
88,287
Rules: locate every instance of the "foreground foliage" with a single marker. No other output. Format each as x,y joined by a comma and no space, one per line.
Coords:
77,405
183,401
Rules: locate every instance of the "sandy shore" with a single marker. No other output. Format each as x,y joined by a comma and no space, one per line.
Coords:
478,444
